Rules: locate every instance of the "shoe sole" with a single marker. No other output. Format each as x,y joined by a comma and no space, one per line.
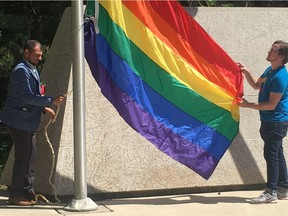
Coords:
283,198
267,202
20,204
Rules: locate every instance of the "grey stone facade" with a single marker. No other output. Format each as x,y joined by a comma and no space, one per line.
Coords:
119,159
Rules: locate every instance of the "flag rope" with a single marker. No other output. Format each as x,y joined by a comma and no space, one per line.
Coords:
40,196
53,155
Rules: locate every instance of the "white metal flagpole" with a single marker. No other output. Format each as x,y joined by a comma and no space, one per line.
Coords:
80,201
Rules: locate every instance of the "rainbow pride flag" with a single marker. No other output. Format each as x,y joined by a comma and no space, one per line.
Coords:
167,78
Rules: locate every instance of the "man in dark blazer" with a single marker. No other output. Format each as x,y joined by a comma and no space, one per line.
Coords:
22,114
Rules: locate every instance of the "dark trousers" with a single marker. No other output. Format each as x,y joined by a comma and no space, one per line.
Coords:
24,164
272,134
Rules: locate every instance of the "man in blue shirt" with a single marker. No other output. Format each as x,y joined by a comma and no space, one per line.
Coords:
273,108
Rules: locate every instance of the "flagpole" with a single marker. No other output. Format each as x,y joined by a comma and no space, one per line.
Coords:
80,202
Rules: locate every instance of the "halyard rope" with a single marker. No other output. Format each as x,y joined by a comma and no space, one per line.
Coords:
53,155
51,121
3,187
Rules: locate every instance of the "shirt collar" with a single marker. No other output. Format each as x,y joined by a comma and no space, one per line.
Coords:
31,66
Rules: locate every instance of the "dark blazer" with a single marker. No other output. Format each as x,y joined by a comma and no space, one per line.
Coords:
24,103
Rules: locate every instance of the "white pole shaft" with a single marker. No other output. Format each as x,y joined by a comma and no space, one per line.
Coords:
79,100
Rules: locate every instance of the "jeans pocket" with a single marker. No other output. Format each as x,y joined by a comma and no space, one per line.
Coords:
271,129
281,128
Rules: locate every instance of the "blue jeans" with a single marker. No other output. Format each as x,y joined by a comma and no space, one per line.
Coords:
272,134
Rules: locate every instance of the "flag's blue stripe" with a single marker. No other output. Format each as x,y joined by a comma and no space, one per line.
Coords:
172,117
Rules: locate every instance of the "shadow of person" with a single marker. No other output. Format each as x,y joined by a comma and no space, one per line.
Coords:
181,199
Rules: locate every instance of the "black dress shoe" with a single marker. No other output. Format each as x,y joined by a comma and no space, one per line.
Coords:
30,195
19,200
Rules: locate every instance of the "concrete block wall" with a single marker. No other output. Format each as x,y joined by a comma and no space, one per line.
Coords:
120,160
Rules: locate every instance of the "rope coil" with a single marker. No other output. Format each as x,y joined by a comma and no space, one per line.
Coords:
51,121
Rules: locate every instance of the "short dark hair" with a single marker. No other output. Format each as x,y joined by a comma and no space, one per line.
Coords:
283,50
30,45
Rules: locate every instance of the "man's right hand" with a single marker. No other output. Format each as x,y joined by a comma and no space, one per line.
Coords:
49,111
59,100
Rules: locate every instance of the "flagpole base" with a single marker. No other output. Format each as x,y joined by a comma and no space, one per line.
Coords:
79,205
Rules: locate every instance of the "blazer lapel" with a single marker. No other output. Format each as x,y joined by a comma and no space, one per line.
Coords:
35,74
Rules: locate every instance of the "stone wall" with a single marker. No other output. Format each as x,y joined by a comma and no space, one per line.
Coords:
119,159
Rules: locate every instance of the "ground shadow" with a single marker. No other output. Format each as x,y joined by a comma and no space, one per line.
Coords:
181,199
241,154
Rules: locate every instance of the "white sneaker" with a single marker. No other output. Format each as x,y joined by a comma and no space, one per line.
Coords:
269,196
